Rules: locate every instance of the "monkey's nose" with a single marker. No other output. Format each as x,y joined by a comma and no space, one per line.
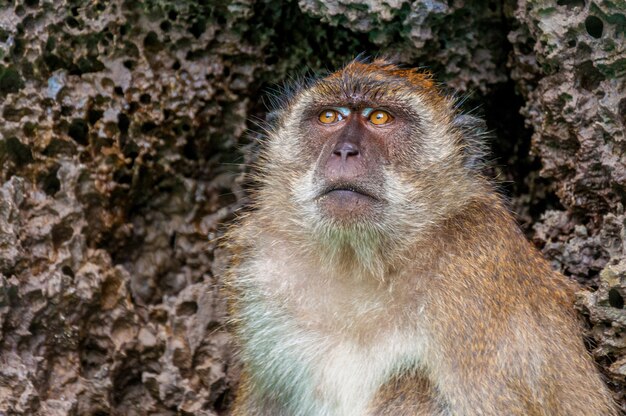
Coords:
345,149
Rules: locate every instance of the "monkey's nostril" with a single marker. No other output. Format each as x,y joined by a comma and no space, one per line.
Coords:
345,150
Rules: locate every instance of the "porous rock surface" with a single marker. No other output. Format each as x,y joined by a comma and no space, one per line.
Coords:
123,139
569,63
462,42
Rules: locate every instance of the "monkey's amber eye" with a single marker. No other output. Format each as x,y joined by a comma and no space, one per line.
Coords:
330,116
379,117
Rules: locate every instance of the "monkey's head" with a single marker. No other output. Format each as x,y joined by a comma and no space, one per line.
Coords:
366,159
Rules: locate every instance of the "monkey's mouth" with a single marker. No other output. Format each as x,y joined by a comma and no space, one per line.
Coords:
348,192
348,203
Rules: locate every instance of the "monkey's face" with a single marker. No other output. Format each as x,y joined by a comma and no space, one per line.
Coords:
348,151
367,154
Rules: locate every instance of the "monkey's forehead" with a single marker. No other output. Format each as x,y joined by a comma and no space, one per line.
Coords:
375,83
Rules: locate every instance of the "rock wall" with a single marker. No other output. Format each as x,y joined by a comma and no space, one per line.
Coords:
123,137
573,81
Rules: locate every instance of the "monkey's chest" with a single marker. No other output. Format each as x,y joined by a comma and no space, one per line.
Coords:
350,376
326,373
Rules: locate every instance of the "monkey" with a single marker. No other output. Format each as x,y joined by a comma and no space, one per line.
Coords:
378,272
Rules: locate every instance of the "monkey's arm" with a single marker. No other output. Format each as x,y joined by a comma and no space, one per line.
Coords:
533,383
507,339
519,359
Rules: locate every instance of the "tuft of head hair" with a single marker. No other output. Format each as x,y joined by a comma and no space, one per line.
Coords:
383,69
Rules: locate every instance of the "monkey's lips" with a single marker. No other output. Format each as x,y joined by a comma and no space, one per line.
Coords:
348,202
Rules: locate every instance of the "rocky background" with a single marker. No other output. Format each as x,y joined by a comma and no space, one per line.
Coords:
125,127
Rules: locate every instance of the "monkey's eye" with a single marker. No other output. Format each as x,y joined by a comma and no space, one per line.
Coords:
379,117
330,116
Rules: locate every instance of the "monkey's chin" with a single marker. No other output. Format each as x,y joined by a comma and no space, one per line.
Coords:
349,206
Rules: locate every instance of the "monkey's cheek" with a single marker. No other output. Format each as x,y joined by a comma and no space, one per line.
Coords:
348,206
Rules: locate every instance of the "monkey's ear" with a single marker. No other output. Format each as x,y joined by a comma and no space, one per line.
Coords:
475,135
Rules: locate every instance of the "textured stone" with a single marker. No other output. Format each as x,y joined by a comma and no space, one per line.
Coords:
463,42
569,63
605,309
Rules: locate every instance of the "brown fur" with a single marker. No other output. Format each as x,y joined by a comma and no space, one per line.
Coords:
433,305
